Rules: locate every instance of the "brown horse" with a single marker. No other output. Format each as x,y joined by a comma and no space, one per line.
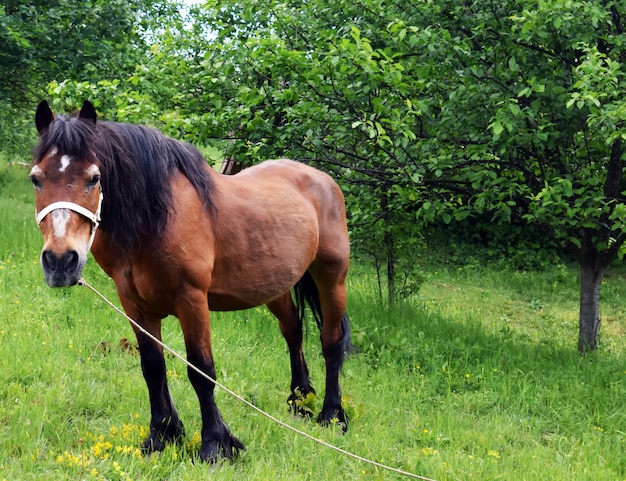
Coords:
178,238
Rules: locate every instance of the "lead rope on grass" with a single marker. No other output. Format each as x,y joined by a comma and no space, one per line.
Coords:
83,282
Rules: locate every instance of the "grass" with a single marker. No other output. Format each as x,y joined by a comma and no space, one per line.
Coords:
477,377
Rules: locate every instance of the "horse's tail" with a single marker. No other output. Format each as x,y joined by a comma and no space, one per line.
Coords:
306,293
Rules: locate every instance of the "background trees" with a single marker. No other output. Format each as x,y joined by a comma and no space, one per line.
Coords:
445,110
42,41
429,112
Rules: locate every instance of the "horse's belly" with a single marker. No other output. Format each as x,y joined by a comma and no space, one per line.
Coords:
236,301
263,264
221,302
231,295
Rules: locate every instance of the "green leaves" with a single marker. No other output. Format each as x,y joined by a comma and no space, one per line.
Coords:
62,41
512,109
426,112
599,87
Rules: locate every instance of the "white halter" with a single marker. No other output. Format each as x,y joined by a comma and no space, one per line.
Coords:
93,217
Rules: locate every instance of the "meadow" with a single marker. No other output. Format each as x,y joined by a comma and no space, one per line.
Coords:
476,377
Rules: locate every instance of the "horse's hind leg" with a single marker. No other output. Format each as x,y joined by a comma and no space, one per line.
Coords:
335,337
291,327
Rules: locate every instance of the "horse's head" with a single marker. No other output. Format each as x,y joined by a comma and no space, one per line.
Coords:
68,196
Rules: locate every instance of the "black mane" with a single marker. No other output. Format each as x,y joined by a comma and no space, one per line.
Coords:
137,164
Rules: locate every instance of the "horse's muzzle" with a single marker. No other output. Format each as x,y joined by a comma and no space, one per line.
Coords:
62,270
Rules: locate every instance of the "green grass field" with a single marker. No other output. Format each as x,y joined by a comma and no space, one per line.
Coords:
476,378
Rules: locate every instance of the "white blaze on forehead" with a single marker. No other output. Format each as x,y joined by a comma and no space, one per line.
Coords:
65,161
36,170
54,151
92,170
60,218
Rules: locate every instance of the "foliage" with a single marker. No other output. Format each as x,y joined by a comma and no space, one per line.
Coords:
512,110
88,41
478,241
428,112
44,41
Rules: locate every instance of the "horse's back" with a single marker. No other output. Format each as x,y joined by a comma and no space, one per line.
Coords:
312,184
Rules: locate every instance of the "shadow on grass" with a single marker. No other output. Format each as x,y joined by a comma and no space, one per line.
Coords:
458,357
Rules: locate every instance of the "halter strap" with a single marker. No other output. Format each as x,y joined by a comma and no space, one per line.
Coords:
93,217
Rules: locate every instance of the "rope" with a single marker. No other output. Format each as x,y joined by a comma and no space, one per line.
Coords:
83,282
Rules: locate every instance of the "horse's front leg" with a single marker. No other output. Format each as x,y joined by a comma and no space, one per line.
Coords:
217,440
165,426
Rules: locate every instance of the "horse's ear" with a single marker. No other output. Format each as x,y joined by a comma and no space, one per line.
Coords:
43,116
88,112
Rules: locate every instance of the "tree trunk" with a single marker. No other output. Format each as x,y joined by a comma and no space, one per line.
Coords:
592,266
391,268
389,249
594,262
230,166
591,275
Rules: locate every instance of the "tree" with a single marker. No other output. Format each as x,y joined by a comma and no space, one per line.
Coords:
511,108
548,78
428,111
43,41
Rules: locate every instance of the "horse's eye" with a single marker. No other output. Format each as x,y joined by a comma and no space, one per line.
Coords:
93,181
35,182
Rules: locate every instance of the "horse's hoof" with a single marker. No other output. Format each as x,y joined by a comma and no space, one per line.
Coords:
158,438
227,448
302,405
152,445
334,417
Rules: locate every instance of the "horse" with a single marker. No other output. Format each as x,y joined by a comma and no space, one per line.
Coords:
180,239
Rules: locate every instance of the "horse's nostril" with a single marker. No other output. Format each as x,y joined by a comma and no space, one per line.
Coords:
66,262
48,260
69,261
